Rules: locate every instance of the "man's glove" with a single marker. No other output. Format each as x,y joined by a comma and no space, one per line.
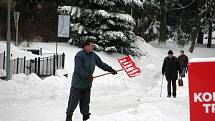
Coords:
112,71
90,77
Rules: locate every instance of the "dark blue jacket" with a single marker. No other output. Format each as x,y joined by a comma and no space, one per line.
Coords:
84,67
171,68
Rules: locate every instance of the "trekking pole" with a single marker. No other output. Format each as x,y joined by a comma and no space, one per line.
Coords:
161,86
106,73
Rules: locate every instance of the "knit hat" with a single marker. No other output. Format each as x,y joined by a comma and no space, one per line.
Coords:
170,52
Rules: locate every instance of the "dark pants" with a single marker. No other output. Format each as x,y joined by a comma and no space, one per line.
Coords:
171,83
183,70
83,98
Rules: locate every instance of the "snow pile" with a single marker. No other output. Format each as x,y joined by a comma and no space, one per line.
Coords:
2,73
194,60
151,109
31,88
16,52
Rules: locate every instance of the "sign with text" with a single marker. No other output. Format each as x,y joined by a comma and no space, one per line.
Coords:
63,25
202,91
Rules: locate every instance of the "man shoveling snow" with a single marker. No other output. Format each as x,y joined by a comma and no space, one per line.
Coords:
85,62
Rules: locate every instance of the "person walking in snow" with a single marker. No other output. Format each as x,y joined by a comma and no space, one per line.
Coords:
85,62
183,62
170,69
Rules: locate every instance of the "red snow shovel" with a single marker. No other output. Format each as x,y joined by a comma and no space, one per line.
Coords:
128,65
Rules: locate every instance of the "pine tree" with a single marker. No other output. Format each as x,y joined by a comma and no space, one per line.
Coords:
106,22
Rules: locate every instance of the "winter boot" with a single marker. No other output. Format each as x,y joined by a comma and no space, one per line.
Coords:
85,117
68,117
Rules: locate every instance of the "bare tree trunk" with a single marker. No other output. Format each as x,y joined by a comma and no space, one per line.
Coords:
210,33
194,35
197,22
200,37
163,25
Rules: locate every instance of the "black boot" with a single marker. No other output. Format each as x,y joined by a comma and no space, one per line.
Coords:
68,117
85,117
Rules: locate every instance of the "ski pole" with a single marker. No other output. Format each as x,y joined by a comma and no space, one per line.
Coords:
161,86
106,73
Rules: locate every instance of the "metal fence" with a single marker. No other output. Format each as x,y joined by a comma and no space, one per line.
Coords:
2,61
42,66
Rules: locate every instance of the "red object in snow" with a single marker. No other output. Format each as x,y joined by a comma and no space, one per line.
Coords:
202,91
129,66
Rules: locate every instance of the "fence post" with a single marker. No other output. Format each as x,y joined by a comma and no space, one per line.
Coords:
38,71
17,65
57,60
4,61
24,64
35,71
47,66
40,53
54,65
63,59
30,65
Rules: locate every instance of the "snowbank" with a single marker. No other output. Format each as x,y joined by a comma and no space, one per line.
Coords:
195,60
16,52
2,73
31,88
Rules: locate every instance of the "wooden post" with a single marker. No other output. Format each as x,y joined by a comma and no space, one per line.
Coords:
41,52
63,59
38,69
17,65
30,66
24,64
4,61
35,65
47,65
54,65
57,60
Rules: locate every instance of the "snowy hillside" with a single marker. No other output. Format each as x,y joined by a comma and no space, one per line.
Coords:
114,98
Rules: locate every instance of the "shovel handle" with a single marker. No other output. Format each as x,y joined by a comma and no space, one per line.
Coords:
106,73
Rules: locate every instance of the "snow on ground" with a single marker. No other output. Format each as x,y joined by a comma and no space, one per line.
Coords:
205,40
114,97
16,52
2,73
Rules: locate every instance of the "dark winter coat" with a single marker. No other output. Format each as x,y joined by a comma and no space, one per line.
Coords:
84,67
170,68
183,61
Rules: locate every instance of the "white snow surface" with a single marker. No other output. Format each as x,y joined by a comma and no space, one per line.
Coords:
194,60
113,98
16,52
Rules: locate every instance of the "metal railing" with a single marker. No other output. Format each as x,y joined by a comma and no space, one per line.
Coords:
42,66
